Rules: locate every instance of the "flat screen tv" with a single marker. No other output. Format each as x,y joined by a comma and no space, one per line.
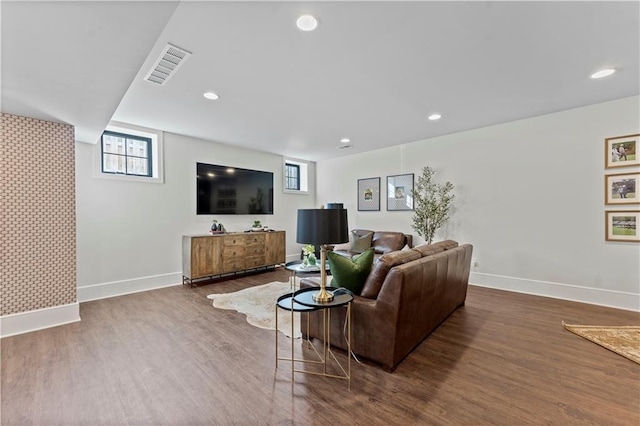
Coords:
232,190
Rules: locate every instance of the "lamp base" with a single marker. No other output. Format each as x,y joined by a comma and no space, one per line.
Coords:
323,296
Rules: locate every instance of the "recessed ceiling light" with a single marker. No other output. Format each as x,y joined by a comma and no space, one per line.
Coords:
603,73
345,140
307,23
210,95
435,117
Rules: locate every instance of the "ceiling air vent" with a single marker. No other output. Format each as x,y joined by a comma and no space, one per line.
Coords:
170,60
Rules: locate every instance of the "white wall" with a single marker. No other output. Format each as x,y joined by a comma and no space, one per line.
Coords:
129,233
529,197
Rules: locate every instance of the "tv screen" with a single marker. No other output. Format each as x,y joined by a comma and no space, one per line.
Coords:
232,190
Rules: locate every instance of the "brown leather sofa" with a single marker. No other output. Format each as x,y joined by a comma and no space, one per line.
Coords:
407,295
382,242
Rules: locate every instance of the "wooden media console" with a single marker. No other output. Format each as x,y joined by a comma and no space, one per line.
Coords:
205,256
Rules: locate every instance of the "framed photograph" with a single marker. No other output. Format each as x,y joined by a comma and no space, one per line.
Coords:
399,189
621,188
369,194
621,151
622,225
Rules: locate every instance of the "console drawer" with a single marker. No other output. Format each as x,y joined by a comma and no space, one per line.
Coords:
233,264
255,239
232,252
234,240
254,261
255,250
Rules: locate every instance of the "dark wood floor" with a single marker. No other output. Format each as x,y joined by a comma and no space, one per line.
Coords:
168,357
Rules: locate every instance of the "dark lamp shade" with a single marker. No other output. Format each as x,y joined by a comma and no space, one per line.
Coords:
322,226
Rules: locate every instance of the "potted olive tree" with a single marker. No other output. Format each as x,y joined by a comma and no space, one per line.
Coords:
431,202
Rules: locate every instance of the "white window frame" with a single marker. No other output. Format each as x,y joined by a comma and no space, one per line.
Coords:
304,175
157,164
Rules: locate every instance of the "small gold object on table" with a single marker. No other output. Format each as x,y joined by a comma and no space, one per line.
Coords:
323,296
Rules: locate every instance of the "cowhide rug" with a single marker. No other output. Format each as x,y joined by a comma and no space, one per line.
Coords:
258,303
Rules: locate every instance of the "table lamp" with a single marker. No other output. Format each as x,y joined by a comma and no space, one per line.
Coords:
321,227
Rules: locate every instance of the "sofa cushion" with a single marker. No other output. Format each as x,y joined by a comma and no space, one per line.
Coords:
446,244
440,246
427,249
385,242
385,262
350,273
360,243
361,238
344,247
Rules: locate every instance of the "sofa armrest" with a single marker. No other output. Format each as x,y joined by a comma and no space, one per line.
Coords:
374,325
389,298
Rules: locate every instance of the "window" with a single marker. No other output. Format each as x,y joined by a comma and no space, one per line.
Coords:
292,176
126,154
296,176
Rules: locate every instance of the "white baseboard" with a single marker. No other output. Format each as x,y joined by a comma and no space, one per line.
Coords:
134,285
593,296
25,322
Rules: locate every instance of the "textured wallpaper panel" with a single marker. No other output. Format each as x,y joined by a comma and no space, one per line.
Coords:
37,205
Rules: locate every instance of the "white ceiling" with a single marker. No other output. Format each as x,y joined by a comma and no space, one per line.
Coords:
372,71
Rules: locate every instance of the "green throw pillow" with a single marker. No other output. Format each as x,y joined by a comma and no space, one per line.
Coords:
350,273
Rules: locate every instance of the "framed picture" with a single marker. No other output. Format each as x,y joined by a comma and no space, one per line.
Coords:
622,225
621,151
399,189
621,188
369,194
